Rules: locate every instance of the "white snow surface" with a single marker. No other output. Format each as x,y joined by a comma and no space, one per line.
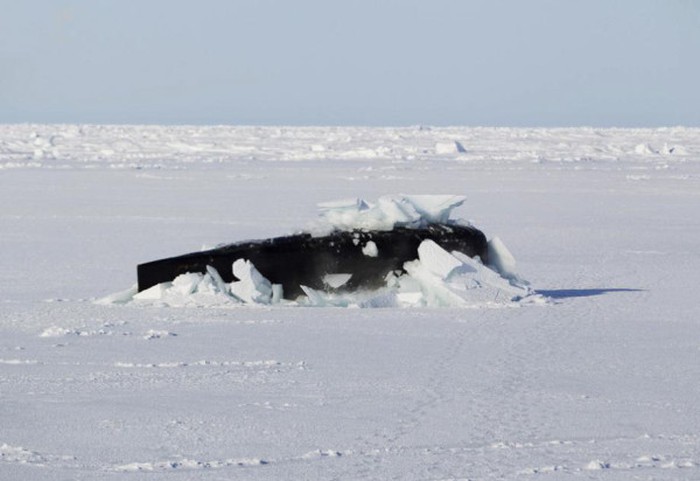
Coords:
601,382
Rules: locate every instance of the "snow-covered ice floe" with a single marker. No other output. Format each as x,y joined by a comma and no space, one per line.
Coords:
435,278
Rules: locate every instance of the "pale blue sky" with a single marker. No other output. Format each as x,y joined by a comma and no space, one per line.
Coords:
357,62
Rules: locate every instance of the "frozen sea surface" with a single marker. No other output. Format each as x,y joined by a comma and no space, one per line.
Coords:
601,383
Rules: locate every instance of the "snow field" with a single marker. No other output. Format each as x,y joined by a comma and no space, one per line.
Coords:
601,383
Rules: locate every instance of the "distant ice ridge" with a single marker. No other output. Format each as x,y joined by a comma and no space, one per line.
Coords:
158,147
437,278
389,211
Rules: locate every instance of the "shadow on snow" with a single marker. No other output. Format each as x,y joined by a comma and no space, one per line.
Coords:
568,293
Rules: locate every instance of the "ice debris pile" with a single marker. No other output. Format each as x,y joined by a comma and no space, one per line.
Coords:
437,278
388,212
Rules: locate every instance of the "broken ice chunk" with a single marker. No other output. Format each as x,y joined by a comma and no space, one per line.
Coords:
251,287
370,249
394,210
217,280
277,293
344,204
454,147
501,259
336,280
435,208
437,260
186,284
315,297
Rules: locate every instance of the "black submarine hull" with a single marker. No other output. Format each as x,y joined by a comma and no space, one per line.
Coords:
304,259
